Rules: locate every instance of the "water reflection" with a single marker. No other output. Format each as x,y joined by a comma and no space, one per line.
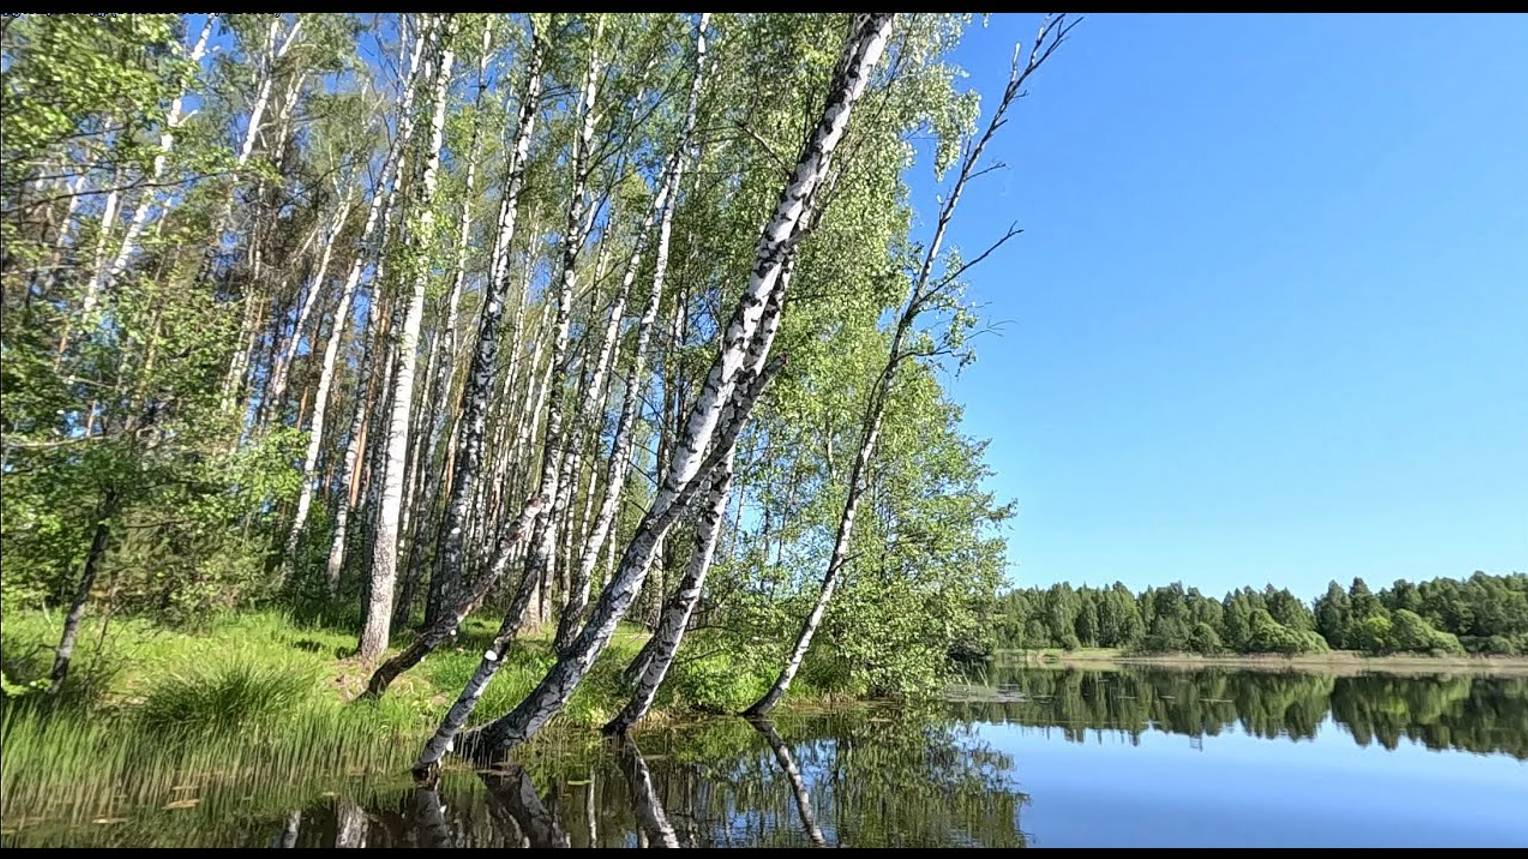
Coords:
288,834
429,818
350,824
1485,715
782,754
511,788
866,777
649,811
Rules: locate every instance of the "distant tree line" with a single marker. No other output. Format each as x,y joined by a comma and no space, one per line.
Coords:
1481,614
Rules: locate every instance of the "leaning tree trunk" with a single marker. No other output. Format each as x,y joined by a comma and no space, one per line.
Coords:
676,613
919,294
379,611
620,452
554,481
141,211
858,478
558,685
100,534
721,393
281,372
474,405
647,670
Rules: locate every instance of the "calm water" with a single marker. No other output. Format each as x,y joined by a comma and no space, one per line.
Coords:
1045,758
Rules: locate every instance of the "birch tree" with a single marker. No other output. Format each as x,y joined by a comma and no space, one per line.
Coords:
863,48
920,296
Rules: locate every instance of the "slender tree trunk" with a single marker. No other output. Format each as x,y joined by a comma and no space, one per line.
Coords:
442,370
355,447
918,295
379,213
283,366
374,635
141,211
554,481
98,538
546,493
662,213
675,616
93,287
474,397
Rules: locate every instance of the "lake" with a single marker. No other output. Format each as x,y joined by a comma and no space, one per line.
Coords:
1031,757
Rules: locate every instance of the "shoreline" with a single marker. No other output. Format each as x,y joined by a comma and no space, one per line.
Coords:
1340,662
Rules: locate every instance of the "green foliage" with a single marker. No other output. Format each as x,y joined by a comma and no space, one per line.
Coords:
1204,639
1267,635
223,696
1484,614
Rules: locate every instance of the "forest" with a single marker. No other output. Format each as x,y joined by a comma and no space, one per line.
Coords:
494,339
1484,614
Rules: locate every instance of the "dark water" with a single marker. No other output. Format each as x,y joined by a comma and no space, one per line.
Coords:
1046,758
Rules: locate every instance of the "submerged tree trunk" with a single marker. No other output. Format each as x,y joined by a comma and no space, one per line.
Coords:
862,50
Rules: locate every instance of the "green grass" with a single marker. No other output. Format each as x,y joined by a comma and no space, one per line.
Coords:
262,705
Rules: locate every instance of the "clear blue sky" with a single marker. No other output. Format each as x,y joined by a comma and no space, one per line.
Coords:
1268,320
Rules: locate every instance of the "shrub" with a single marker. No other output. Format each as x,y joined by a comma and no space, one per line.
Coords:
230,695
1203,639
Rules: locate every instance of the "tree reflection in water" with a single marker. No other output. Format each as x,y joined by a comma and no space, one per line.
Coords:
863,777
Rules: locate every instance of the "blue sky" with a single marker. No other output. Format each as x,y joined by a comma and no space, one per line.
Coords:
1268,320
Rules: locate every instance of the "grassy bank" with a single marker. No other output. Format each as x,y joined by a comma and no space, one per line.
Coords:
263,705
1342,662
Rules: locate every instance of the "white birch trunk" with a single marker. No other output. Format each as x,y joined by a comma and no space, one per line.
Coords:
473,404
141,211
283,368
374,635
